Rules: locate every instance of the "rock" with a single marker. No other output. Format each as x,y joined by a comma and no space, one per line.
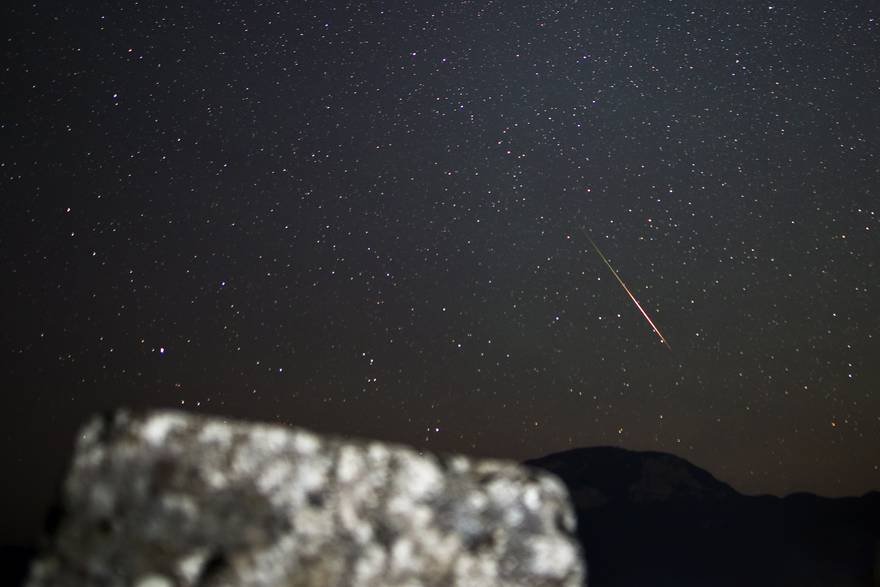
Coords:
169,499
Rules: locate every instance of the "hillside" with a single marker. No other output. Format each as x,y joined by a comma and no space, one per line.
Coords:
648,518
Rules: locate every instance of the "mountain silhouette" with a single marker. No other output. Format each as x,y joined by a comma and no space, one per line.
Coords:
654,519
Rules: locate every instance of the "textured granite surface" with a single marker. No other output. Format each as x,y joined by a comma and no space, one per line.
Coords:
168,499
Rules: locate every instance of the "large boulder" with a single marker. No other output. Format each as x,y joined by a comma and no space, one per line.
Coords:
170,499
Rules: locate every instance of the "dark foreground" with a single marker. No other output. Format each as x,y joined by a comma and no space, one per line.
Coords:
652,519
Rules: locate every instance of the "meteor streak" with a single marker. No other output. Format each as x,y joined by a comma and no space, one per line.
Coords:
629,293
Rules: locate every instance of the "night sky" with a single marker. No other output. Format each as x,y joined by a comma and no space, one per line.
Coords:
370,218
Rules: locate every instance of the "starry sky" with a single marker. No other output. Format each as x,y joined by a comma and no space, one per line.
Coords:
370,218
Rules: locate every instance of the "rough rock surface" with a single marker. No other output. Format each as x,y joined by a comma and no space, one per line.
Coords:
170,499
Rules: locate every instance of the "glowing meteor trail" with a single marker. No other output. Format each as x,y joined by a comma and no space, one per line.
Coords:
631,296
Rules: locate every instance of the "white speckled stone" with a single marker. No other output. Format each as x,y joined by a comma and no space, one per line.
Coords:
169,499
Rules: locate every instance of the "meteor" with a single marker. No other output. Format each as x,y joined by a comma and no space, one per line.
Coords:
629,293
